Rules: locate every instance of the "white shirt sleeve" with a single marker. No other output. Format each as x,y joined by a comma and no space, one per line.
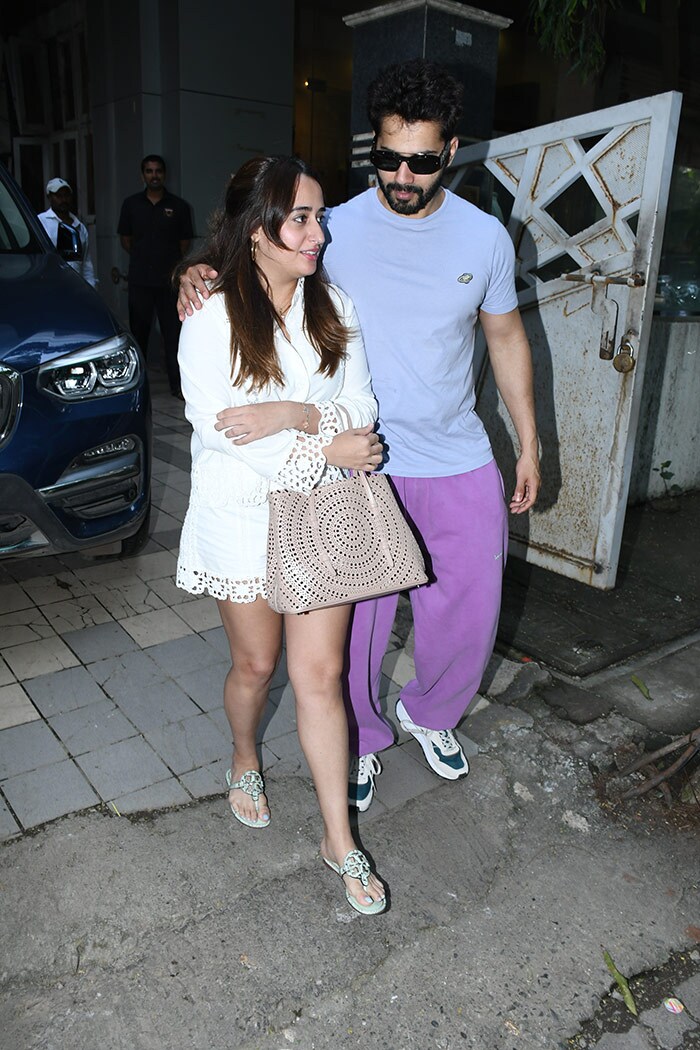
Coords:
87,269
204,357
356,397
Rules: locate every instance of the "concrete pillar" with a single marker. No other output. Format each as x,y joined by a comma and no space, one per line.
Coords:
462,38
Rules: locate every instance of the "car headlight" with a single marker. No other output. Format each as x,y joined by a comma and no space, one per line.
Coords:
110,367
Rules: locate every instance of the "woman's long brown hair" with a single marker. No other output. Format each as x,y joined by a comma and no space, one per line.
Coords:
261,195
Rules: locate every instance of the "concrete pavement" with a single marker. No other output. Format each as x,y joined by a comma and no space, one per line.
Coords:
172,926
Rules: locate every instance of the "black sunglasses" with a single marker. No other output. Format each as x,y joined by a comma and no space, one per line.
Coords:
418,163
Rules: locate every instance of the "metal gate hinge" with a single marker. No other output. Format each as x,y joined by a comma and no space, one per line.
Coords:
635,280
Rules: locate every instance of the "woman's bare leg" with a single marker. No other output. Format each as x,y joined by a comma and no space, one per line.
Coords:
315,648
254,635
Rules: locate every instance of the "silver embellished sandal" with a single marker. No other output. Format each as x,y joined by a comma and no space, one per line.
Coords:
252,783
356,866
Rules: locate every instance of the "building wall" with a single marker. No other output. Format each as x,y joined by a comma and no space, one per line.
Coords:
205,92
669,420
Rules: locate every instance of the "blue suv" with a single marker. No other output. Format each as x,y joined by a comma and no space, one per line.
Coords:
75,411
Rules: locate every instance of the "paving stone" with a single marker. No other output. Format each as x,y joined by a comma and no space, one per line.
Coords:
180,480
170,537
76,614
123,767
6,675
8,824
160,468
280,720
15,707
218,717
156,796
153,628
172,502
91,727
399,666
27,747
32,568
205,685
156,705
207,780
13,597
182,655
217,638
405,775
98,575
188,744
36,658
162,522
46,589
24,625
285,746
100,642
122,675
153,566
47,793
170,594
128,596
63,691
201,614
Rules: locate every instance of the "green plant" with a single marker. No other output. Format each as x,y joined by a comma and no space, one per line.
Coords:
574,29
665,474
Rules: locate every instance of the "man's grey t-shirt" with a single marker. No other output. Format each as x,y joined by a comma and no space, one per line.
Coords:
418,286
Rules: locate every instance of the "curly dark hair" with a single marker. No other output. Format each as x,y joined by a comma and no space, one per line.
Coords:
416,90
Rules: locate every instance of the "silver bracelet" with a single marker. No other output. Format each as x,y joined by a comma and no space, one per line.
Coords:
307,418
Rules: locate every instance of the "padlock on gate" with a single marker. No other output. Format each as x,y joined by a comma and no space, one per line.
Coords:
624,361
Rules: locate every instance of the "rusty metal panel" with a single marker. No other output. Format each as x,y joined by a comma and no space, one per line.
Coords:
584,201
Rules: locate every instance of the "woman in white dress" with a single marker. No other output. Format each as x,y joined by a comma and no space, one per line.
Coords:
282,346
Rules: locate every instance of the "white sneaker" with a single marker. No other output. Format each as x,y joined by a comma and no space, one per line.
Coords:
363,770
440,747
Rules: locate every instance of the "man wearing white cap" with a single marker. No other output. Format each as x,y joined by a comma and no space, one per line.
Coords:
64,228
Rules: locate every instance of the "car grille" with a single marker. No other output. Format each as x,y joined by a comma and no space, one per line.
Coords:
10,387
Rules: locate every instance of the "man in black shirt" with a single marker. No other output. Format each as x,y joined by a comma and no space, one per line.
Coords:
155,228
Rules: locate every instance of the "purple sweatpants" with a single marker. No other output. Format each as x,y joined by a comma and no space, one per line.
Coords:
462,524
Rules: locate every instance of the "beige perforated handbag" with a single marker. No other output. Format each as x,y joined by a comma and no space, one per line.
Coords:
339,543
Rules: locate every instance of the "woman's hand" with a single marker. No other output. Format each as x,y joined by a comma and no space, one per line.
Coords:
192,282
358,449
248,423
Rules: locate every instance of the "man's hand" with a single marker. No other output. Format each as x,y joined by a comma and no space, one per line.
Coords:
527,484
247,423
357,449
192,282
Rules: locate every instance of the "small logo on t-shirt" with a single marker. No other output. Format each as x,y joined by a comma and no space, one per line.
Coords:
465,278
170,212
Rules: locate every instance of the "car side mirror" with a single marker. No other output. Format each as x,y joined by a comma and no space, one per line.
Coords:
68,243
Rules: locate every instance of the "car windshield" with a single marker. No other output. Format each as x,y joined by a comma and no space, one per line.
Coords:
16,236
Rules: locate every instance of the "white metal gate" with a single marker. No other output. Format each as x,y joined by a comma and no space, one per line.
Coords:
584,201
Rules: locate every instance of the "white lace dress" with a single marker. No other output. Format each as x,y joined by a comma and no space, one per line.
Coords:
223,545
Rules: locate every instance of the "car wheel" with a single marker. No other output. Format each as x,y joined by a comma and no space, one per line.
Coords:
133,544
